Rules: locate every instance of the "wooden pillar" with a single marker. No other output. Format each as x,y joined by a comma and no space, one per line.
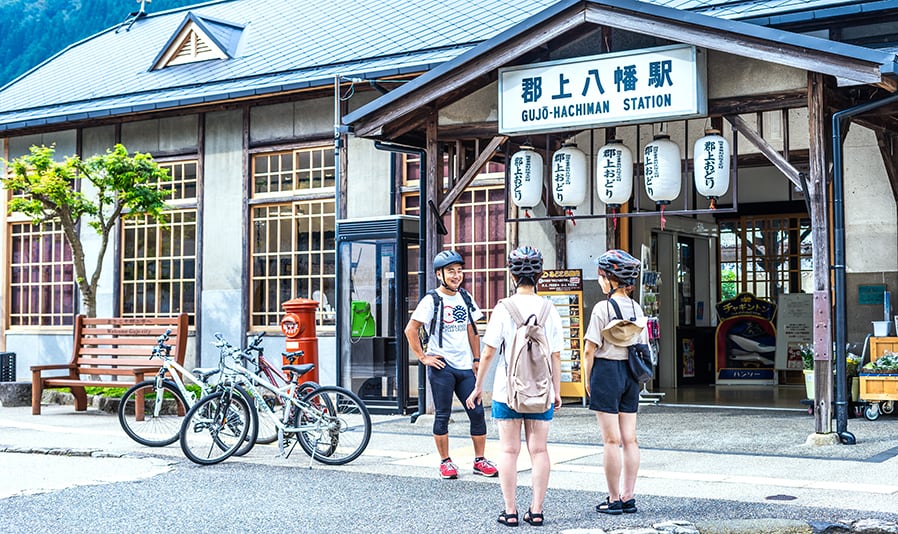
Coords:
431,197
817,187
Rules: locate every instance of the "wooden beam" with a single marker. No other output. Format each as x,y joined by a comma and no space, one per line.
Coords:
459,187
840,66
817,188
886,142
756,103
775,157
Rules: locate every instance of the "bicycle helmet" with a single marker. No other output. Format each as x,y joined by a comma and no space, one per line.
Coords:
619,265
447,258
525,261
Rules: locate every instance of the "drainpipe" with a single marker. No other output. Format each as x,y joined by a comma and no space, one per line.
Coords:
422,246
841,403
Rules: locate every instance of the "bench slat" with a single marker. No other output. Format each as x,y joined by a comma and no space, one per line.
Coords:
107,363
115,351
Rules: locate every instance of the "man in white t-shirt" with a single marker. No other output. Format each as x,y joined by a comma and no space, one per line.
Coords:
453,354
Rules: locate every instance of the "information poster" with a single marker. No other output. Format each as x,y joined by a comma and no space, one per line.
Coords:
794,327
564,289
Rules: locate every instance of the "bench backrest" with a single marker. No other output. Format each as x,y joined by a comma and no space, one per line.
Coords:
116,346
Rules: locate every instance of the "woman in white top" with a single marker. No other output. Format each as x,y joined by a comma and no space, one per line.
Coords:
526,266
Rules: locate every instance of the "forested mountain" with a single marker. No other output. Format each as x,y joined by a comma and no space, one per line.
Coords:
34,30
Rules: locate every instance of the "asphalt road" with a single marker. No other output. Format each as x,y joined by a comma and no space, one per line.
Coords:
247,497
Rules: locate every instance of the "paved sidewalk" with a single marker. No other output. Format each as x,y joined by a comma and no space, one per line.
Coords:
752,456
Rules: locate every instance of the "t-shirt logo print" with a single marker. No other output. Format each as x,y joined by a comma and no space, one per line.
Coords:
455,318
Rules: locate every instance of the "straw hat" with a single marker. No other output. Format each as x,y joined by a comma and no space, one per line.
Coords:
623,333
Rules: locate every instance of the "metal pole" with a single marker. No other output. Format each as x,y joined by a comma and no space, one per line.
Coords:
839,263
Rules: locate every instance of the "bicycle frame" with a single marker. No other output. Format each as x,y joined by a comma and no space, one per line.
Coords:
288,394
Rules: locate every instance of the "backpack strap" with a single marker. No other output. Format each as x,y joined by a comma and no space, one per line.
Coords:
513,312
437,315
616,308
544,312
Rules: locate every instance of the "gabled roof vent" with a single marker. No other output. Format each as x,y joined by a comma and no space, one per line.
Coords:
199,39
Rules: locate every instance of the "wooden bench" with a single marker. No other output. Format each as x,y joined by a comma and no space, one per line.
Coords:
110,352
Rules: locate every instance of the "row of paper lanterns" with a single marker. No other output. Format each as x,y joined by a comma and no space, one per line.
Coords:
614,172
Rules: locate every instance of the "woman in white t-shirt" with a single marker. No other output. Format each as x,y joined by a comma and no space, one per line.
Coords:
526,266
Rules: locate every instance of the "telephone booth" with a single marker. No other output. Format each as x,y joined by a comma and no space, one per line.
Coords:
377,266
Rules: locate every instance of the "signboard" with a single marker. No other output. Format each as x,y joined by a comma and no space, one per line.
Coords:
794,327
618,88
565,280
871,294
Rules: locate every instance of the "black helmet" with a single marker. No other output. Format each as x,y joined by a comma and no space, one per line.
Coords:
619,265
446,258
525,261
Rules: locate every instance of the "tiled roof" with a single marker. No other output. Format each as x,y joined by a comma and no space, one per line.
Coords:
276,45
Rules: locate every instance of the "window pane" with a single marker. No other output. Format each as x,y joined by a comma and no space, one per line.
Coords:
41,276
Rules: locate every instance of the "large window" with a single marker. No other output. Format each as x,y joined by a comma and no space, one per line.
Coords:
41,276
476,225
293,225
766,256
159,259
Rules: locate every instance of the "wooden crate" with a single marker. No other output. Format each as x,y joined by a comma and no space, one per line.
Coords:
880,388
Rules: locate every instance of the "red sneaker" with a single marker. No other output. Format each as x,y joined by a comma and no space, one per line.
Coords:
486,468
448,469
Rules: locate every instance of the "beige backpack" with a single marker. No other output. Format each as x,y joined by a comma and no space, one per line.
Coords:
528,362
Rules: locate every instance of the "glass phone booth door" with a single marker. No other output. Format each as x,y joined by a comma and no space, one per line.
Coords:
372,291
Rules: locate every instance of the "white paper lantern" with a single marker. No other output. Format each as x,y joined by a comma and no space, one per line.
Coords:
614,173
569,175
526,179
662,170
712,165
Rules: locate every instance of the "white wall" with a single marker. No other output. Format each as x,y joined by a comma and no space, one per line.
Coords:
870,213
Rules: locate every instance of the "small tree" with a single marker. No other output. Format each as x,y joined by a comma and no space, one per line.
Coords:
123,186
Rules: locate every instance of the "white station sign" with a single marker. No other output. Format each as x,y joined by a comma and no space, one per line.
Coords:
627,87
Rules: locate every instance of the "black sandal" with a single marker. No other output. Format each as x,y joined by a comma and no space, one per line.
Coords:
504,518
534,519
610,507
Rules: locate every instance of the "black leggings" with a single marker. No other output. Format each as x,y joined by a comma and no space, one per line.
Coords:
443,383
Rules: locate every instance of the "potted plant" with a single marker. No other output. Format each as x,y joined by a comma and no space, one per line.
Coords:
807,360
852,365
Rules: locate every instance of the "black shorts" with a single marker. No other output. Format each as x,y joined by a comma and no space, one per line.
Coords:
611,388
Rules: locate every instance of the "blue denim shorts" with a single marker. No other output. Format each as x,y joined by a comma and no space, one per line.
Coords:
500,410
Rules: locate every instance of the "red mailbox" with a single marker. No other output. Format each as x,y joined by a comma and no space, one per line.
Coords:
299,326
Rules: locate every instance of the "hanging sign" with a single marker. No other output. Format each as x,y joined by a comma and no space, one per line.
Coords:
619,88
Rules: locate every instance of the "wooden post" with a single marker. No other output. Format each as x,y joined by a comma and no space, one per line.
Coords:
817,187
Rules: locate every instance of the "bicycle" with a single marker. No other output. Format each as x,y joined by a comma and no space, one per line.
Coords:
330,423
150,412
268,432
157,423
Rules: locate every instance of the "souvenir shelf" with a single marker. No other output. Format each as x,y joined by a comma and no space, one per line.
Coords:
649,299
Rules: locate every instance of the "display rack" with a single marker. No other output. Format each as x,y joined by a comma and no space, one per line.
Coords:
650,301
564,288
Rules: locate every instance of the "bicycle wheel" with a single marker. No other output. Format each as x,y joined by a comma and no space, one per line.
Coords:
336,425
254,422
215,427
150,417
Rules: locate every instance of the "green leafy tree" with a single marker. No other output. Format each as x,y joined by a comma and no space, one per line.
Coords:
122,186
